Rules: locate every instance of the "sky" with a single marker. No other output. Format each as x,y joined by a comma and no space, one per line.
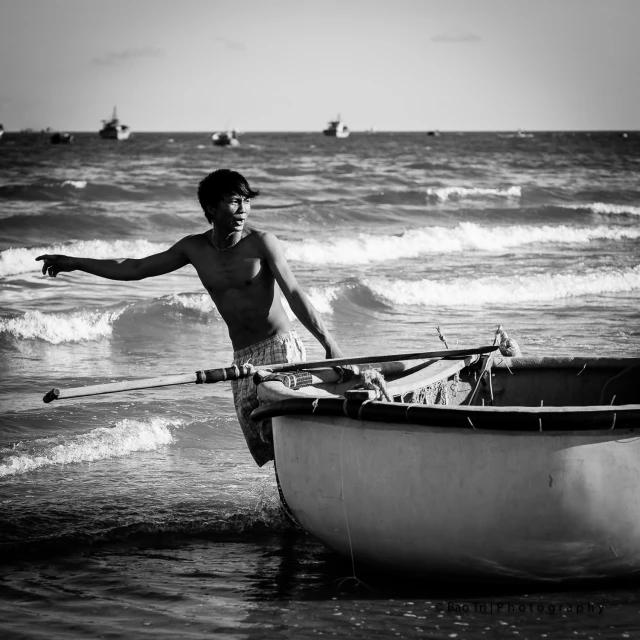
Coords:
292,65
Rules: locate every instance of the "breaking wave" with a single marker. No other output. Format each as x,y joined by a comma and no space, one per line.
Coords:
511,290
457,193
607,209
56,328
467,236
124,438
22,260
192,301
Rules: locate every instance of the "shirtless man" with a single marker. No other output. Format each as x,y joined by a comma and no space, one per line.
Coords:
244,270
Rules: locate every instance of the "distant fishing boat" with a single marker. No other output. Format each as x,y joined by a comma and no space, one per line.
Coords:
337,129
61,138
1,130
113,130
225,138
518,134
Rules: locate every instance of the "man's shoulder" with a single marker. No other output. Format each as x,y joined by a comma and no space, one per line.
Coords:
193,240
261,237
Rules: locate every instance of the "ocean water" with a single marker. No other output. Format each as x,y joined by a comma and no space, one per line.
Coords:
142,514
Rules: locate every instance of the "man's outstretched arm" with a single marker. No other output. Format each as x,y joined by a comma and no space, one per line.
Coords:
118,269
296,297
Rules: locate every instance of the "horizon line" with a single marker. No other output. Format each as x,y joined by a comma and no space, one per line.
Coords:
318,131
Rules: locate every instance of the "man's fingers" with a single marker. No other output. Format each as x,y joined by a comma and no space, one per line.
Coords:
48,267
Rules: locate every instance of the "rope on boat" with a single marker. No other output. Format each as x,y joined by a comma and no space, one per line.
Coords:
357,580
506,364
373,379
508,346
442,338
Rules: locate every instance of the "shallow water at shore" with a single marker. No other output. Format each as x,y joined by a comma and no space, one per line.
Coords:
285,585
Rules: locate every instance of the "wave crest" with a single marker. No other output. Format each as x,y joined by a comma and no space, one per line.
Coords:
511,290
126,437
23,260
604,208
55,328
457,193
467,236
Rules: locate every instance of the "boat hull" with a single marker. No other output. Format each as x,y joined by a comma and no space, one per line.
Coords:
226,143
336,134
501,505
114,134
523,470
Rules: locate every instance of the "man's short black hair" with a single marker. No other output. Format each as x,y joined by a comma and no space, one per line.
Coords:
220,183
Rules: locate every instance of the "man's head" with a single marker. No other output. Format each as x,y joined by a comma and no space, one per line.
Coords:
222,183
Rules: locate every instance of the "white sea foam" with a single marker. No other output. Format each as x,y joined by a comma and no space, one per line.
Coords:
124,438
196,301
21,260
76,184
505,290
323,299
467,236
606,209
445,193
55,328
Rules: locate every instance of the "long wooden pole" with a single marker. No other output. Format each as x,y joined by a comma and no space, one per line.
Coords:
336,362
234,373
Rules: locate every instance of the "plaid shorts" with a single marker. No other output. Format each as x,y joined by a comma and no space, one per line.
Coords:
282,347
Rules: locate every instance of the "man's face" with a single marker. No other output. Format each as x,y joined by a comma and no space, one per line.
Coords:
231,213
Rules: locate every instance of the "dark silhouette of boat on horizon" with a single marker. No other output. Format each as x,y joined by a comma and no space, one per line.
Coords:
60,137
113,129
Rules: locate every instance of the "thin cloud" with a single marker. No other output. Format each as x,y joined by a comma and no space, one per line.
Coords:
231,44
127,56
456,36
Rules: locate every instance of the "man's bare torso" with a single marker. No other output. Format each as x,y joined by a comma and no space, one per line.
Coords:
241,285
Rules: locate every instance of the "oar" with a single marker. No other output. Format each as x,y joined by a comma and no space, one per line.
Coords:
235,372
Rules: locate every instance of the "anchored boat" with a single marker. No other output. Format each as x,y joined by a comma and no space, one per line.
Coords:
61,137
484,467
337,129
113,129
225,139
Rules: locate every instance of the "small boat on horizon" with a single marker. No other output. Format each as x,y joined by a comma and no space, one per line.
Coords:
60,137
515,469
1,130
518,134
228,138
113,129
336,128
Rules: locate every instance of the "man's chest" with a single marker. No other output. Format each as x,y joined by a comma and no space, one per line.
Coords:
220,272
